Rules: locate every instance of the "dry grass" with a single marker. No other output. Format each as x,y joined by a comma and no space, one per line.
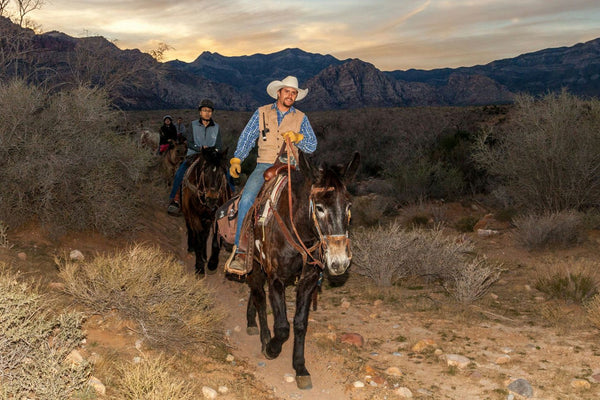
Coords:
573,280
151,379
473,281
4,236
35,343
172,308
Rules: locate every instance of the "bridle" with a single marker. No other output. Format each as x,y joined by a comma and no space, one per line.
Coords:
324,240
202,193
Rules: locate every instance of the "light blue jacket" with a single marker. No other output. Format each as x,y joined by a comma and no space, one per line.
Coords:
200,136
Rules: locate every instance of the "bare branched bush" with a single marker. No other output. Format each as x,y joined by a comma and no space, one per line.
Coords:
575,280
62,164
547,156
473,280
152,378
34,344
388,254
560,229
172,308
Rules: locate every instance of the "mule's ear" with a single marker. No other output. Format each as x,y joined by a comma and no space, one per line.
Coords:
305,166
352,167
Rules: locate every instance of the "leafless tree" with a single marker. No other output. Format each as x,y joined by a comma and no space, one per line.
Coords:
3,6
24,7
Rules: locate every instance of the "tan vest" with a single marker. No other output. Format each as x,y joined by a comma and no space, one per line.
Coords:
267,120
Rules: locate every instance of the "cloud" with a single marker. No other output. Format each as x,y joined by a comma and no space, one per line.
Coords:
390,34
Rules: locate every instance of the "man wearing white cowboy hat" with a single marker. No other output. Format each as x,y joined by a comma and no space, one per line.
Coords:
269,126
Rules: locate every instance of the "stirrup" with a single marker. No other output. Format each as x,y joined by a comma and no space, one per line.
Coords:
238,273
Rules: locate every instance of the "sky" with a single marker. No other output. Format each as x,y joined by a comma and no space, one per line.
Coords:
390,34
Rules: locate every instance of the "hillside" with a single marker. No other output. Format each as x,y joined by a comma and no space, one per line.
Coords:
139,82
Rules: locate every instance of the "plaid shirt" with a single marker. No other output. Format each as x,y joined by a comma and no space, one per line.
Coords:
250,134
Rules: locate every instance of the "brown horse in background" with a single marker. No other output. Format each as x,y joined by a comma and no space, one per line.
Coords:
306,237
203,190
171,159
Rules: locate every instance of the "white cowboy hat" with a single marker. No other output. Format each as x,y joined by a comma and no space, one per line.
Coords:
289,81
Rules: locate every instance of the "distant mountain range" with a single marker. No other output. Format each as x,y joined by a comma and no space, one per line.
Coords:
238,83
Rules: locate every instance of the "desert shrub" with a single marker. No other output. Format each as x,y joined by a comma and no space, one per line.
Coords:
592,309
547,156
561,229
575,280
473,280
172,308
62,164
35,343
152,378
421,214
389,254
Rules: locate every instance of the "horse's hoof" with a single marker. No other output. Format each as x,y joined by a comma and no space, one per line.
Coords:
304,382
252,330
269,356
212,271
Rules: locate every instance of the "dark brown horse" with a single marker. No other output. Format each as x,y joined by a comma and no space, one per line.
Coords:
204,189
296,247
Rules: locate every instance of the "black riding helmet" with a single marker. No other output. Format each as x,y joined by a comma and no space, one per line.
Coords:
206,103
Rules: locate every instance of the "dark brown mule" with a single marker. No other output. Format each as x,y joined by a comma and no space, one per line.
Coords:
171,160
204,189
287,253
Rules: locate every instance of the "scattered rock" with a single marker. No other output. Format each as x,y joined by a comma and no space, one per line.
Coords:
358,384
455,360
229,358
487,232
580,384
223,389
76,255
521,387
74,357
393,371
377,302
423,344
209,393
503,359
22,256
289,378
354,339
404,392
97,385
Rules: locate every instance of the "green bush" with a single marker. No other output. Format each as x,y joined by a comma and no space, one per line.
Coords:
547,155
34,344
63,165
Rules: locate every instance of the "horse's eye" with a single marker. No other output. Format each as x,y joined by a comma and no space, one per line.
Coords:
320,209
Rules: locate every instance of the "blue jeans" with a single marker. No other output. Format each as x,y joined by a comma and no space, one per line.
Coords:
178,178
251,189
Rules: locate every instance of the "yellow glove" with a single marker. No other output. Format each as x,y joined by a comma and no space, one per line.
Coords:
294,137
236,167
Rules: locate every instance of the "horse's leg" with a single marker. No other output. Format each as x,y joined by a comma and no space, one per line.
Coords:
281,326
213,262
257,303
200,250
190,238
304,292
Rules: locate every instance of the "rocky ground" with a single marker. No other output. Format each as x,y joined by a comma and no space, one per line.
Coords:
366,342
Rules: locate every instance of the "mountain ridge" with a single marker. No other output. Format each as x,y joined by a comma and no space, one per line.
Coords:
138,81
